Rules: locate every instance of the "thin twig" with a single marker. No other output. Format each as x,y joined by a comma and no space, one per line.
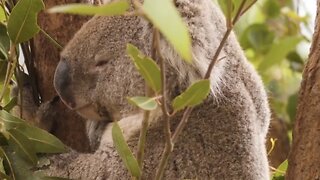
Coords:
223,42
166,119
217,53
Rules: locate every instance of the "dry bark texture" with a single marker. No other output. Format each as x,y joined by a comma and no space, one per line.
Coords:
304,159
69,126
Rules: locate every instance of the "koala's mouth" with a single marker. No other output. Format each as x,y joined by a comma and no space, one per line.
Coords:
93,111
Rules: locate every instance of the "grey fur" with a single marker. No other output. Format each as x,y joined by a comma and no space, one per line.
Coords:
225,136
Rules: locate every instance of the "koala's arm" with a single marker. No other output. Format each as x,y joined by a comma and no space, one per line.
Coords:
42,116
104,163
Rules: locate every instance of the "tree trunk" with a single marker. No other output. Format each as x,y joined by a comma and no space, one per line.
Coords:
69,127
304,159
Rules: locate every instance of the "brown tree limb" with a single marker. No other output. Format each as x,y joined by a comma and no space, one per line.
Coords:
304,158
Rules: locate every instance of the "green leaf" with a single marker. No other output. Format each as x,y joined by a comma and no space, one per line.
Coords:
110,9
144,103
292,106
4,42
230,8
226,7
124,151
272,8
281,170
257,37
3,139
19,167
4,156
148,69
2,14
11,104
3,72
41,140
278,52
22,145
1,166
193,96
22,24
164,16
10,121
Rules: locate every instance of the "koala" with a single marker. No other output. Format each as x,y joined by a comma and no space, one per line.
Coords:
224,137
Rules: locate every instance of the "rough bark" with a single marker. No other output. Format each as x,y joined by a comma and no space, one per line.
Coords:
304,159
69,126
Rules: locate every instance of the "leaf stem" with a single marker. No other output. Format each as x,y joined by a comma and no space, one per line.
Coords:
223,41
142,138
146,115
166,118
12,63
51,39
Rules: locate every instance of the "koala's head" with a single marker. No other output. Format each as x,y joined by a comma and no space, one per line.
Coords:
95,74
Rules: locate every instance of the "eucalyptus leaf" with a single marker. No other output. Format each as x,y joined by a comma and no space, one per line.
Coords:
282,168
22,24
4,42
226,7
6,161
232,7
148,69
144,103
41,140
124,151
110,9
278,52
19,167
193,96
11,104
10,121
258,37
164,15
2,14
22,145
292,106
1,166
3,139
3,71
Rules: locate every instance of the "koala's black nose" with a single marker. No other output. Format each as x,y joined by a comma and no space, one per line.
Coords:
63,83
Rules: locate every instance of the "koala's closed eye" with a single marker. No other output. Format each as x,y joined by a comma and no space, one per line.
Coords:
101,60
